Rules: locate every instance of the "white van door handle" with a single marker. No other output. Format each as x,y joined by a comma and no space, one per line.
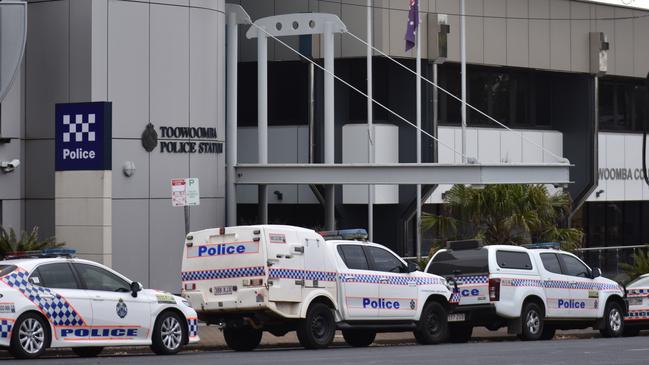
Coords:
383,280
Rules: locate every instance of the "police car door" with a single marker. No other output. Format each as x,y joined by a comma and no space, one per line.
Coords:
397,290
359,286
56,291
118,316
556,286
584,294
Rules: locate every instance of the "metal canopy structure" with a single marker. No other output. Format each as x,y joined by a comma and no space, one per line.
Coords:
403,174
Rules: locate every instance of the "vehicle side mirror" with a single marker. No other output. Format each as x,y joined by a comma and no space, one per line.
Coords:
596,272
412,267
135,288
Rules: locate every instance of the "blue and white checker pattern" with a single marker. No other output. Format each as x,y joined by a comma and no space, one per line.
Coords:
637,315
278,273
79,128
192,326
240,272
57,308
5,328
473,279
638,292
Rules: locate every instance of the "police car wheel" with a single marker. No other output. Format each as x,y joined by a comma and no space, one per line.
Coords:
359,338
459,333
242,339
168,334
532,322
432,327
317,330
613,321
30,337
87,351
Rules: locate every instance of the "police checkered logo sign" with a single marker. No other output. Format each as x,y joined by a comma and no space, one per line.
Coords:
5,328
80,128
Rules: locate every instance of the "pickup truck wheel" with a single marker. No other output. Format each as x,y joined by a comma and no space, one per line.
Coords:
459,333
317,330
532,318
242,339
432,327
359,338
613,321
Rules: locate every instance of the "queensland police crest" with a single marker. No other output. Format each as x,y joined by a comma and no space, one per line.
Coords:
121,309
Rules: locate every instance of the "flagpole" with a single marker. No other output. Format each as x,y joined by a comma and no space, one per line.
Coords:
418,223
370,117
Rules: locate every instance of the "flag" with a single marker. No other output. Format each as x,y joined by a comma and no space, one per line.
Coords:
413,24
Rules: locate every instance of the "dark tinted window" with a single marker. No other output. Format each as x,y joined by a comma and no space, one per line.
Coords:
574,267
58,276
460,262
384,260
513,260
551,262
96,278
353,256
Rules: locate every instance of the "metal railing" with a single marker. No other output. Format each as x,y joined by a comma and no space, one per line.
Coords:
609,259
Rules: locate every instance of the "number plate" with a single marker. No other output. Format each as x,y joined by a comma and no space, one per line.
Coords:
222,290
457,317
635,301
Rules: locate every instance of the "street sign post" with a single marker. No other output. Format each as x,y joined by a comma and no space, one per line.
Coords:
185,193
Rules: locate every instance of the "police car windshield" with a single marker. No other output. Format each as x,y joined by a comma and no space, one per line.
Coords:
6,269
460,262
639,281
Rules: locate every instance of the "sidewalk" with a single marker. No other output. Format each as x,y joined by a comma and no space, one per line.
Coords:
212,337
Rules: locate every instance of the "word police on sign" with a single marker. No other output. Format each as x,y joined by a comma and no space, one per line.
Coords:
185,192
83,136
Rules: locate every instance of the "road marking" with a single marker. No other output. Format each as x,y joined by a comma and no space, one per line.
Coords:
638,350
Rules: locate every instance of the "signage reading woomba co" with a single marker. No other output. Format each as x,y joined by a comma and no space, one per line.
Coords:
182,140
83,136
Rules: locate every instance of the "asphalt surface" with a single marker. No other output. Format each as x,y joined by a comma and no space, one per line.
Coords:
619,351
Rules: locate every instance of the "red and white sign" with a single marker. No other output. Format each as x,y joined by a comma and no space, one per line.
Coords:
184,192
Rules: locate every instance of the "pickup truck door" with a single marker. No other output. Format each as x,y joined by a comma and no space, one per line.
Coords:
584,293
359,286
557,287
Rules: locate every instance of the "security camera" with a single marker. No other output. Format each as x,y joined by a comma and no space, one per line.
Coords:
9,166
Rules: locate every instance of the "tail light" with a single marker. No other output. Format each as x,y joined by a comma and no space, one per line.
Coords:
253,282
494,290
190,286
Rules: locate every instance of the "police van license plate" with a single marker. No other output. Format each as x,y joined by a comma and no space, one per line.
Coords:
457,317
222,290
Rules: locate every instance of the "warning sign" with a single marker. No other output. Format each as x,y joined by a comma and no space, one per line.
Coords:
185,192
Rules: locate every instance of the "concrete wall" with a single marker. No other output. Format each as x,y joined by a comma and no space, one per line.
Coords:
543,34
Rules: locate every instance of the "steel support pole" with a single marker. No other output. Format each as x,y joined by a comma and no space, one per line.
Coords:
262,119
463,72
435,114
231,143
329,141
418,97
370,121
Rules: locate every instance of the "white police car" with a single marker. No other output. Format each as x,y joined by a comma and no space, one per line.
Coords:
50,299
638,298
251,279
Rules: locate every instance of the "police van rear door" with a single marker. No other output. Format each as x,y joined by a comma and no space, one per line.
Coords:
286,275
470,268
226,265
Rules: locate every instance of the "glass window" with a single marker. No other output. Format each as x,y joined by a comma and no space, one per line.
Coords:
574,267
57,276
96,278
353,256
513,260
551,263
384,260
461,262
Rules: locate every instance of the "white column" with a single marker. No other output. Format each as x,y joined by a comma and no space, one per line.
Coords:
262,119
370,120
329,142
463,71
231,143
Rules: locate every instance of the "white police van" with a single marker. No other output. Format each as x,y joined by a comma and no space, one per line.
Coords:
51,299
251,279
533,291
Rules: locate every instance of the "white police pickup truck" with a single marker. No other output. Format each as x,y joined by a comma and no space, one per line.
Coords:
532,291
638,298
251,279
50,299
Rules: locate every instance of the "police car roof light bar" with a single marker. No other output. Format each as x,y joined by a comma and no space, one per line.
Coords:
543,245
356,234
44,253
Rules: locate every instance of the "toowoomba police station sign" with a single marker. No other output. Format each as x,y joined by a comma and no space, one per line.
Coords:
181,139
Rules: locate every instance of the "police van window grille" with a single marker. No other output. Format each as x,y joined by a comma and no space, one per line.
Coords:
574,267
513,260
56,276
99,279
353,257
385,261
551,263
460,262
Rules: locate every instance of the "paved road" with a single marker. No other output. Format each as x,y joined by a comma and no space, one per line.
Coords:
617,351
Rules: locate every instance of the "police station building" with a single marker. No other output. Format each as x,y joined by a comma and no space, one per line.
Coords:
115,98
